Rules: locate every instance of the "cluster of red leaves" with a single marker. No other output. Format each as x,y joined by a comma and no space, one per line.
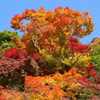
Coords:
89,70
12,59
13,53
8,65
37,56
14,65
85,80
88,76
73,44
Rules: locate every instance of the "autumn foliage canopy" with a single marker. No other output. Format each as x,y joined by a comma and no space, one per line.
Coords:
55,34
53,63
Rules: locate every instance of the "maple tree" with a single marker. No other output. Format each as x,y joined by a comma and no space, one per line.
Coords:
54,35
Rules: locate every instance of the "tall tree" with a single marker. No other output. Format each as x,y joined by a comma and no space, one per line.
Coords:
54,35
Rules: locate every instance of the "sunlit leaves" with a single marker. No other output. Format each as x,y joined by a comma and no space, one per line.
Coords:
50,86
54,31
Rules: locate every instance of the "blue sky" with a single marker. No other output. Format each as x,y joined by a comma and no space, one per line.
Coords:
8,8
